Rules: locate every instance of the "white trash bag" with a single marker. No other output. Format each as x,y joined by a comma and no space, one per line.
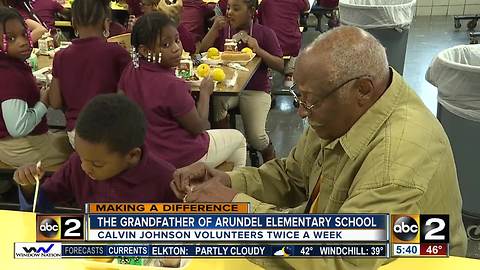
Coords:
370,14
456,74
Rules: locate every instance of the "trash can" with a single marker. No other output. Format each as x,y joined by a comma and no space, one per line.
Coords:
388,20
456,74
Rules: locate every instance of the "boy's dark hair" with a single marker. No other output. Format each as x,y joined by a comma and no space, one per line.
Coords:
114,120
90,12
7,14
148,28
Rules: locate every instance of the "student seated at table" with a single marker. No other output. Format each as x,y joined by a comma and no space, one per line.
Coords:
46,11
177,130
194,16
24,135
134,7
116,29
111,163
88,67
149,6
282,16
35,28
174,11
255,100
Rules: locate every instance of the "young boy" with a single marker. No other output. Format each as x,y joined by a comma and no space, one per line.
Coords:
111,163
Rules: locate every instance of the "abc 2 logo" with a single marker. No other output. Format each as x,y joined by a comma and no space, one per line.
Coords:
60,228
417,229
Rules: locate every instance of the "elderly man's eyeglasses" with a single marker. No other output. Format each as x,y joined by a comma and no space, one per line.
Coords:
310,107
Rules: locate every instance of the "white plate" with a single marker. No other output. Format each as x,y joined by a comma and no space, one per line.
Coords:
40,74
195,83
209,61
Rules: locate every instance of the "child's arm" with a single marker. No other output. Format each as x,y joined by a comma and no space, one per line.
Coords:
272,61
203,105
56,188
37,30
54,95
25,178
19,119
212,35
196,121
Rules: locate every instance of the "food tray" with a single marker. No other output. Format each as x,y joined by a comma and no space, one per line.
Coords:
213,62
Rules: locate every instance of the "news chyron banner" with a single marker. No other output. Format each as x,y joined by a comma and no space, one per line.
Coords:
420,235
229,230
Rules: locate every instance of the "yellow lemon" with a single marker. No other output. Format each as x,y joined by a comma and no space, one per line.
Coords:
203,70
248,51
213,53
218,75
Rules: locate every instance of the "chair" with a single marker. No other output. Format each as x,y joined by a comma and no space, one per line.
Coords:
123,40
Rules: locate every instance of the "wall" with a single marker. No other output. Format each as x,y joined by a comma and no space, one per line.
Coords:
447,7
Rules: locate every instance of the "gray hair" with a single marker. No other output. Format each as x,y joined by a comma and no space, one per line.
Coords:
351,52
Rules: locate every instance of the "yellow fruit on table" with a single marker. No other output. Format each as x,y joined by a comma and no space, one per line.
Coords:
203,70
213,53
248,51
218,75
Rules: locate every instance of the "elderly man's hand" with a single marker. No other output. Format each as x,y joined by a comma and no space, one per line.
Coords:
185,178
211,191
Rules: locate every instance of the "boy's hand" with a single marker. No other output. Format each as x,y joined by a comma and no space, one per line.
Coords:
25,175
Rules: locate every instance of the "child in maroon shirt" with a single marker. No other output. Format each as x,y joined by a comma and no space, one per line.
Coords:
149,6
282,16
24,135
194,16
111,163
254,101
88,67
135,7
46,10
34,25
174,11
177,130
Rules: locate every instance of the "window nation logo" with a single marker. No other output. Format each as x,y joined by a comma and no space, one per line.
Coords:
38,250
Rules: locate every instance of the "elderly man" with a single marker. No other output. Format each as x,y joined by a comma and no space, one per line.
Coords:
372,147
